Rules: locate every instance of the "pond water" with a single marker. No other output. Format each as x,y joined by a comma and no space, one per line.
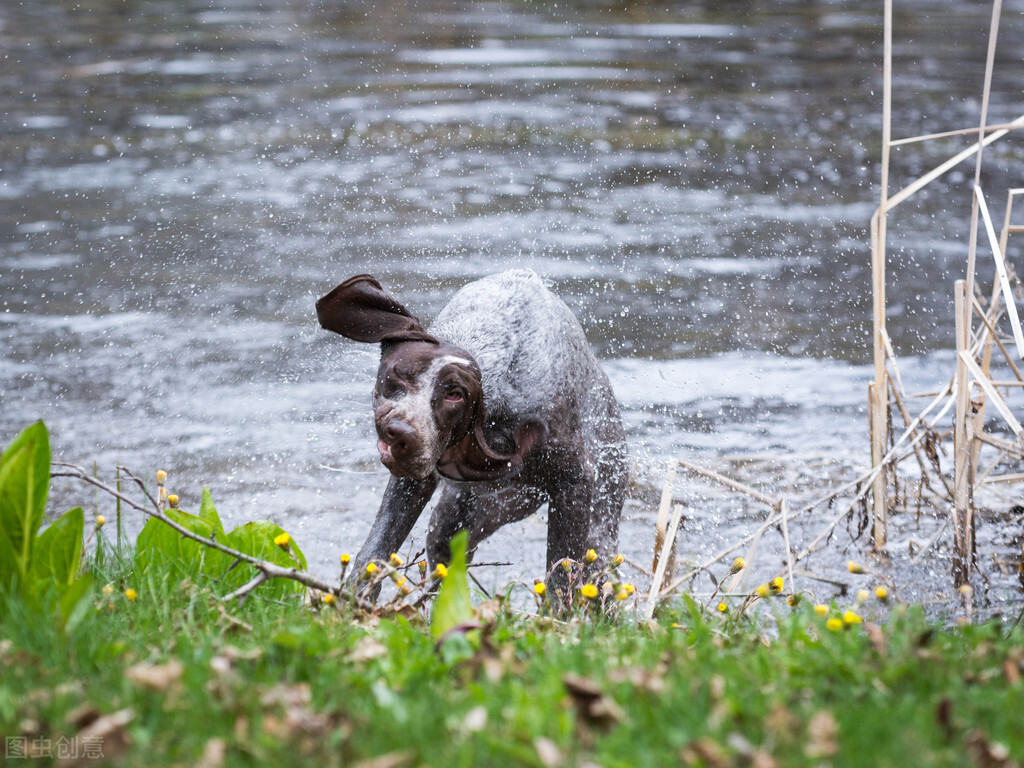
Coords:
180,180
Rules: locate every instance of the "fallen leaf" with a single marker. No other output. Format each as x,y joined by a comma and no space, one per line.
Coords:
367,649
592,704
158,677
287,695
105,738
213,754
389,760
822,736
548,752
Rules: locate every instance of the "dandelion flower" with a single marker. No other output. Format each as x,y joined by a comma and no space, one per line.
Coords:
131,594
629,588
723,608
850,618
346,559
617,561
589,591
422,565
821,609
882,592
591,556
539,588
793,600
328,599
370,568
776,585
834,624
762,590
440,571
173,500
567,564
395,560
161,477
737,565
100,521
282,540
400,582
854,567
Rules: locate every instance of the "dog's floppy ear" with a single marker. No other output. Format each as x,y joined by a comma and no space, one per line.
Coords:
473,459
359,309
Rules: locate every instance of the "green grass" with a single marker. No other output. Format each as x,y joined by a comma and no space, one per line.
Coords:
281,684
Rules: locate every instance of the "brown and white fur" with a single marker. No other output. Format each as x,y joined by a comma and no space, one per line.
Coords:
501,403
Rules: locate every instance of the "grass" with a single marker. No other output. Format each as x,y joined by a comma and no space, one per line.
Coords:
176,677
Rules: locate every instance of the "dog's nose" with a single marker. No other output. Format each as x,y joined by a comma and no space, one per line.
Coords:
401,439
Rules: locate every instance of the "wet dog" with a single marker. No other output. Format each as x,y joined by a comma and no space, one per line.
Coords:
501,403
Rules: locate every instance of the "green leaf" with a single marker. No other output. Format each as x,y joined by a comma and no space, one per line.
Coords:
58,550
453,606
74,603
208,513
24,483
257,539
160,543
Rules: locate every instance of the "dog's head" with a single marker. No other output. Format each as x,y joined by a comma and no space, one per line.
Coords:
428,402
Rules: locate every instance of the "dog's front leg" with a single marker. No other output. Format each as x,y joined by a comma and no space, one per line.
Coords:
400,508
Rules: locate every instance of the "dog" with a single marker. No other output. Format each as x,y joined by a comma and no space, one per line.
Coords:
501,403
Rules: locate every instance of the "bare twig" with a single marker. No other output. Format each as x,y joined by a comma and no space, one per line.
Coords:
267,569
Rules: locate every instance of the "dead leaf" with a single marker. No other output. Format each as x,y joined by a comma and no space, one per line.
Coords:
986,753
82,715
389,760
704,752
475,720
157,677
287,695
822,736
592,705
367,649
213,754
105,738
548,752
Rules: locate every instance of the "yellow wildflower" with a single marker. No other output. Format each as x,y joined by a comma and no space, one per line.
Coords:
629,589
328,599
539,588
161,477
850,618
567,564
131,594
834,624
854,567
723,608
793,600
422,565
737,565
762,590
370,568
346,559
589,591
108,589
440,571
776,585
173,500
821,609
863,596
617,561
282,540
399,581
591,556
395,560
100,521
882,592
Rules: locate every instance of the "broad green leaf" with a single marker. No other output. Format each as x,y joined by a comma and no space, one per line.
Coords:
58,550
74,603
159,542
452,606
209,513
257,539
14,516
24,483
